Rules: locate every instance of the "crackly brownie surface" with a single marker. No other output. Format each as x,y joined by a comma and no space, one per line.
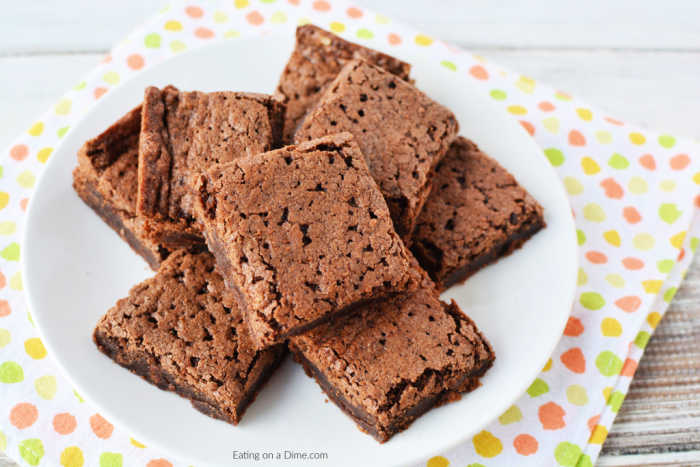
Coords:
475,214
401,131
106,180
316,60
392,361
185,133
301,233
180,332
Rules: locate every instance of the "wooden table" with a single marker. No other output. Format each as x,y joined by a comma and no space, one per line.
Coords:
638,59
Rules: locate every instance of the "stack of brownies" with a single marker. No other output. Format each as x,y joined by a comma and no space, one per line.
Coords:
291,222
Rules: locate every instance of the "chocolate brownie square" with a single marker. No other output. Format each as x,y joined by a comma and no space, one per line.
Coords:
401,131
316,60
392,361
301,234
106,180
185,133
181,332
475,214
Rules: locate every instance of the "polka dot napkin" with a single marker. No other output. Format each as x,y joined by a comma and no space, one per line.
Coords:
633,194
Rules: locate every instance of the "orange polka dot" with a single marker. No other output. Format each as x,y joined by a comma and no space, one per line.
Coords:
574,360
551,416
135,61
574,327
633,264
525,444
64,423
321,5
3,281
394,39
612,188
23,415
101,427
354,12
629,367
631,214
194,11
479,72
647,161
564,95
107,58
159,463
592,422
23,204
596,257
613,121
99,92
528,127
19,152
681,255
5,309
204,33
546,106
576,138
293,2
697,201
680,161
255,18
629,304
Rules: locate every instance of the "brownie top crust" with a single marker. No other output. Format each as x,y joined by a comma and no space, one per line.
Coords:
316,60
474,208
301,232
185,133
401,131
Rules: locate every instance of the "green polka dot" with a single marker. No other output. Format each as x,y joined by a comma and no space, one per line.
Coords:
381,19
5,337
498,94
46,387
449,65
476,464
618,161
1,173
111,459
567,454
642,339
694,244
278,18
603,137
537,388
615,400
555,156
220,17
177,46
669,294
63,107
3,442
29,318
592,300
669,213
11,372
582,277
16,281
512,415
576,394
111,78
665,265
80,86
268,1
593,212
364,33
26,179
61,132
608,363
31,450
573,186
152,41
7,228
77,396
10,252
667,185
72,456
584,461
615,280
231,34
637,185
580,237
667,141
551,124
643,241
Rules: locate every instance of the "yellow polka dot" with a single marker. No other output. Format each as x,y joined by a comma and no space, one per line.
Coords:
303,21
26,179
278,17
337,27
612,237
4,199
582,277
599,434
220,17
46,387
63,107
517,110
36,129
593,212
589,166
696,178
610,327
173,25
111,77
526,84
422,39
637,185
667,185
643,241
43,154
547,366
551,124
576,394
653,319
637,138
677,240
615,280
652,286
35,348
241,3
437,461
573,186
136,443
231,34
606,392
603,137
487,445
16,281
72,457
584,114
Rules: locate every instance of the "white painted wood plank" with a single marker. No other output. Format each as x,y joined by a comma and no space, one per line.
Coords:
689,458
43,26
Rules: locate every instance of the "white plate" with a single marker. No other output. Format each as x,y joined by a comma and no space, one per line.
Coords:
75,268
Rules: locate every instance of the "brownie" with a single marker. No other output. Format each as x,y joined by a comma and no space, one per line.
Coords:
475,214
301,234
392,361
182,332
316,60
185,133
106,180
401,131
